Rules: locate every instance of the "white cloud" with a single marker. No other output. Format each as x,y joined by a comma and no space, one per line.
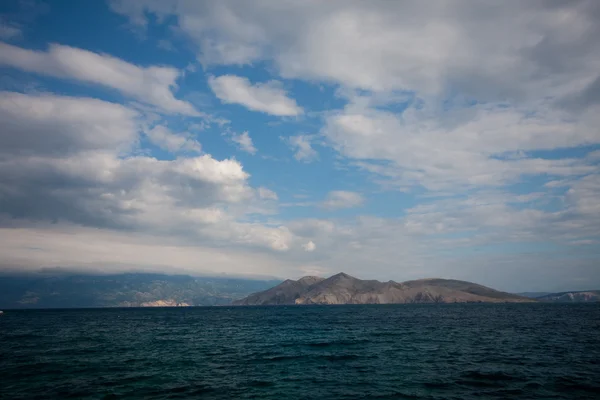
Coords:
60,161
8,31
337,199
301,144
482,48
267,194
456,149
267,97
162,137
84,249
310,246
166,215
464,238
238,46
244,142
312,227
152,85
56,125
165,45
583,197
191,68
485,86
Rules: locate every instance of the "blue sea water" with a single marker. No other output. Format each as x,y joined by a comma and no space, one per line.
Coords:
445,351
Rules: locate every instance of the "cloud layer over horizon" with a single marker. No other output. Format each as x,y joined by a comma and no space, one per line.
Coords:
390,140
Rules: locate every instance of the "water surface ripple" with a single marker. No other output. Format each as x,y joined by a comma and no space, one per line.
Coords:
446,351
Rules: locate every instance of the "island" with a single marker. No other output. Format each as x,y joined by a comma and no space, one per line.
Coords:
345,289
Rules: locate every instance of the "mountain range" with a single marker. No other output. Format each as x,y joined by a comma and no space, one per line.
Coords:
44,290
123,290
345,289
585,296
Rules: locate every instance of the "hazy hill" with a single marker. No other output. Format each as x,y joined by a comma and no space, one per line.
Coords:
123,290
345,289
586,296
533,295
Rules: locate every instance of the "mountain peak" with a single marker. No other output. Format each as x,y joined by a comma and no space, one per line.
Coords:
342,275
310,279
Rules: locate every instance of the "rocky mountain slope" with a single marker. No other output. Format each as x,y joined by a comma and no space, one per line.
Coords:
285,293
345,289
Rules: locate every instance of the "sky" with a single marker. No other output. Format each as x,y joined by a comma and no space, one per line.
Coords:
389,140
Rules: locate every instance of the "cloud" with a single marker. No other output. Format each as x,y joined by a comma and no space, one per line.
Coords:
476,98
301,144
85,249
479,238
8,31
152,85
496,217
165,45
594,155
267,194
486,123
458,149
338,199
50,125
478,85
19,16
162,137
74,196
244,142
405,45
267,97
310,246
60,162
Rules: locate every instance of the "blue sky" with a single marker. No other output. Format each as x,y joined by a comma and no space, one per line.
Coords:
387,140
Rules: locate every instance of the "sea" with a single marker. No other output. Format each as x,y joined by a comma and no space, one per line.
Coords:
428,351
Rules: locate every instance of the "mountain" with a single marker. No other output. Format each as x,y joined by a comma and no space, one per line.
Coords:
159,290
345,289
587,296
285,293
123,290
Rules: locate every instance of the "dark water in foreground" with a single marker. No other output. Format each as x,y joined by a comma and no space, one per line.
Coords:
336,352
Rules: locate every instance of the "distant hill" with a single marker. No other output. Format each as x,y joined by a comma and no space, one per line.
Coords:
586,296
345,289
123,290
533,295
